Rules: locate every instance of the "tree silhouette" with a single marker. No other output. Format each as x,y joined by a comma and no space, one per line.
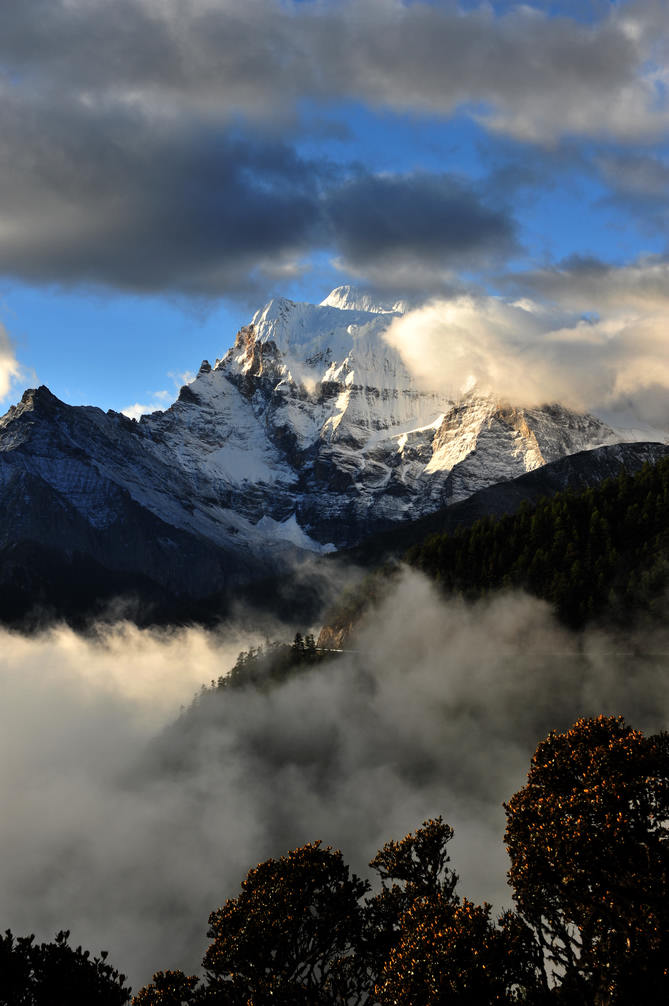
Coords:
170,988
589,845
411,869
449,953
290,937
418,861
50,974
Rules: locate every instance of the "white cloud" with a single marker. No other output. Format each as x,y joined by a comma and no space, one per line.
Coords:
10,369
187,377
131,837
529,352
159,401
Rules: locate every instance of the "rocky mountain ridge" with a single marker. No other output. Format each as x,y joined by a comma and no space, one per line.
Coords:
307,436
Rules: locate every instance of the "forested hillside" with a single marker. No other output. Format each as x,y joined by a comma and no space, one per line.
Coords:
603,552
597,555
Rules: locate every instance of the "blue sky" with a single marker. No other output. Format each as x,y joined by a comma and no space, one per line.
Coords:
169,165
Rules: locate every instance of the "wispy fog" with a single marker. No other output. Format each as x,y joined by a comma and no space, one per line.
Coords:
129,834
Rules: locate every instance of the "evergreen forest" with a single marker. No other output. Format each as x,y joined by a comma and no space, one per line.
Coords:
599,556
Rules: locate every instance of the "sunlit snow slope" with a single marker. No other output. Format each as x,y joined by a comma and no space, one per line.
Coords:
313,419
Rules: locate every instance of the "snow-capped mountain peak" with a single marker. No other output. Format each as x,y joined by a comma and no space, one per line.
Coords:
308,433
350,298
313,415
311,345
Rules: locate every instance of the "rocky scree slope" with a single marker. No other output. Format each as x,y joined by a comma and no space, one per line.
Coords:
307,436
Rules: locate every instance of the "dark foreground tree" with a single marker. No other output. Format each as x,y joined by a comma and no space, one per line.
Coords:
290,937
450,953
56,974
301,932
418,862
414,868
588,838
430,948
170,988
589,843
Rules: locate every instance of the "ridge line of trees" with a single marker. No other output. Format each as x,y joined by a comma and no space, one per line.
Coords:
597,553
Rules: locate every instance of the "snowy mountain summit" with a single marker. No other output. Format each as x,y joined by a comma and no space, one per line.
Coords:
308,434
313,421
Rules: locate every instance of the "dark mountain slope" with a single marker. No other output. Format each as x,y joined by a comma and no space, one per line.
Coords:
601,554
56,563
577,471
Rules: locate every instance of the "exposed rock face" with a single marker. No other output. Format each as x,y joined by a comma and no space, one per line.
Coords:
307,435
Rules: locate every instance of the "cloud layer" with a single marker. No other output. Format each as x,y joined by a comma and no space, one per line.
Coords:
593,338
117,201
131,841
154,145
520,71
10,369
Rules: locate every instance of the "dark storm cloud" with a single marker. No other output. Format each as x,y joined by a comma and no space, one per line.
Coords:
642,175
134,204
585,283
140,207
431,220
146,144
531,75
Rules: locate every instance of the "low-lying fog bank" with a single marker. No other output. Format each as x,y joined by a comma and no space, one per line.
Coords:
129,836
